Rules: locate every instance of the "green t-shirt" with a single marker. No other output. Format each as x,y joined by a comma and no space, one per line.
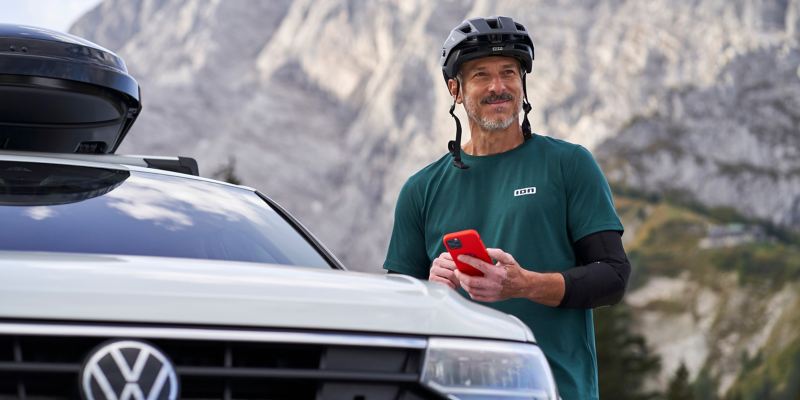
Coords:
533,202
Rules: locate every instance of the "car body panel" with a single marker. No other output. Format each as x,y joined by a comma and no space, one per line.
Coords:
157,290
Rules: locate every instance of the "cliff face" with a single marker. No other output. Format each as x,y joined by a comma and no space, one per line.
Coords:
735,144
329,105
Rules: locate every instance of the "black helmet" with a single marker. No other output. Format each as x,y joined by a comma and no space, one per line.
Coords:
483,37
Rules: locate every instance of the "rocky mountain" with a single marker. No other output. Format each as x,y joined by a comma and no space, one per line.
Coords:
734,144
329,105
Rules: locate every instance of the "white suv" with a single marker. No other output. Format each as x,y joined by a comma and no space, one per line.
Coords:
123,279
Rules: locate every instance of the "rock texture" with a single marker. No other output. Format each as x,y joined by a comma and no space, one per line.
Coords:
734,144
328,106
711,327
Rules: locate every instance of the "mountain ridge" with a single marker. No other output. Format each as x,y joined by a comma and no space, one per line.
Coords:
352,94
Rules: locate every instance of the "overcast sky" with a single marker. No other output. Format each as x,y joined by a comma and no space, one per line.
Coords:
54,14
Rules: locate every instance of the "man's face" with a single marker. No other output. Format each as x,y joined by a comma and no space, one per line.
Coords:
491,90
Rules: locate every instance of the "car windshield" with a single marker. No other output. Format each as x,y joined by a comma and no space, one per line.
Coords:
70,208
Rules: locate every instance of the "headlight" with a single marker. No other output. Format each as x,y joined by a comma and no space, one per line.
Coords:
482,369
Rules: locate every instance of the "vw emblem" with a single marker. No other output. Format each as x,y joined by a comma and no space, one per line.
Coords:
128,370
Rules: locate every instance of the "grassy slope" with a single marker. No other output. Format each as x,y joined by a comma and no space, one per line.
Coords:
663,240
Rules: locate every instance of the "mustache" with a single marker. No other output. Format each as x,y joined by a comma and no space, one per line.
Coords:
497,97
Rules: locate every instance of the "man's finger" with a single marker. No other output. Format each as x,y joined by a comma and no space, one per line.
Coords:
462,277
444,263
501,256
464,280
453,278
448,264
471,284
441,272
479,264
446,255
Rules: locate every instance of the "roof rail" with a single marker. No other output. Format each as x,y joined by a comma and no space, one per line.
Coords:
183,165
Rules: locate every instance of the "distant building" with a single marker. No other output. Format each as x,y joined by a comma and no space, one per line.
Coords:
732,235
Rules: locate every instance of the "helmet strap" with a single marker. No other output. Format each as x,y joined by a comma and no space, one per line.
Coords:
526,106
454,146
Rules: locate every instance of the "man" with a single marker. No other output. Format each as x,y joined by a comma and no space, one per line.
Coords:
542,203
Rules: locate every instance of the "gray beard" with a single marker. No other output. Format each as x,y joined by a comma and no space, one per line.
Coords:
492,125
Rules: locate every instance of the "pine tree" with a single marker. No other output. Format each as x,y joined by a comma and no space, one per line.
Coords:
705,386
623,357
227,172
679,388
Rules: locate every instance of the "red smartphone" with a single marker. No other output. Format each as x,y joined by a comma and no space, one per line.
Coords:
466,242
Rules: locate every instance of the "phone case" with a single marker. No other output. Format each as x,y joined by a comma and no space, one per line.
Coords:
466,242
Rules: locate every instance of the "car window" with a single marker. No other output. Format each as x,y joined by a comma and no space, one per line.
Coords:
64,208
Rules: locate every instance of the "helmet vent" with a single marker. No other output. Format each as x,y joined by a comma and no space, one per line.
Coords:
520,27
465,29
492,23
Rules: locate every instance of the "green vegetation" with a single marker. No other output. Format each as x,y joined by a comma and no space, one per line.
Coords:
773,372
679,387
623,357
669,238
773,262
776,376
717,214
705,386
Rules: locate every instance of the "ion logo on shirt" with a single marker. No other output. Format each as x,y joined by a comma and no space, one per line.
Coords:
525,191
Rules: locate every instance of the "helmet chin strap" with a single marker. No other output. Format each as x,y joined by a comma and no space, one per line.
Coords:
454,146
526,106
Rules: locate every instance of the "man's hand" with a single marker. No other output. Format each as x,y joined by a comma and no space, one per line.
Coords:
499,281
442,271
507,279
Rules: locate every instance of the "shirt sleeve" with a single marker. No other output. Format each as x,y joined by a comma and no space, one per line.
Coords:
406,253
601,277
590,207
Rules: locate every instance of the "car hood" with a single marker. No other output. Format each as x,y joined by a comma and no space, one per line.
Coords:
110,288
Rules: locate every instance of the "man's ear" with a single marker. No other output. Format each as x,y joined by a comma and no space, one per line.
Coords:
453,86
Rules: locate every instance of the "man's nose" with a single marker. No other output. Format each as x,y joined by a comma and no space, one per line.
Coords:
497,84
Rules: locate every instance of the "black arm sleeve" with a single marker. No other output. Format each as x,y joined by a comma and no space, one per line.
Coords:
602,274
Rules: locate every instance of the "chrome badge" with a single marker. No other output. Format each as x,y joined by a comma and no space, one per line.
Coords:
128,370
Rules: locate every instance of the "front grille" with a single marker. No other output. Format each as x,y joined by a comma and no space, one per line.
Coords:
44,362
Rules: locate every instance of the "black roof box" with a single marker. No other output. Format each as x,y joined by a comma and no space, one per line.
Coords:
60,93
